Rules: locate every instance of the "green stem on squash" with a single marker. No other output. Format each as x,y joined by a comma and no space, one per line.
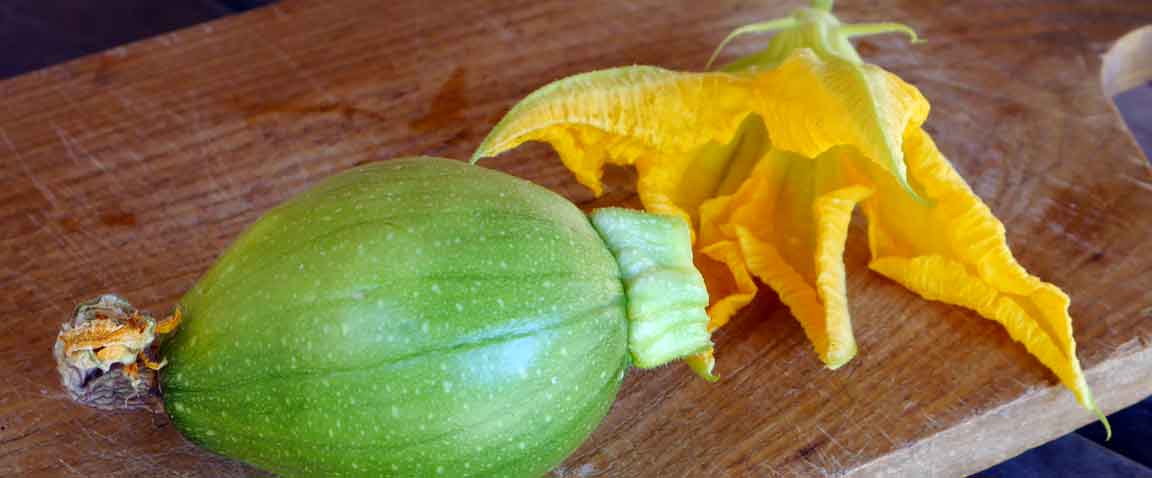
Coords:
666,294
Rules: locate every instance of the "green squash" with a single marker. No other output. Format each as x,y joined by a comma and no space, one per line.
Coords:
425,317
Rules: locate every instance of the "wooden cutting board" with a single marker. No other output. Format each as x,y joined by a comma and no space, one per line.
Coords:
129,170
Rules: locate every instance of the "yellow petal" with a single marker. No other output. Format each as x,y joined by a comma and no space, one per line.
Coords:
956,252
812,104
787,225
650,117
730,286
696,135
703,363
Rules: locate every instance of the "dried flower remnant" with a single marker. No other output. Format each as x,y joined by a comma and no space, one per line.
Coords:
105,354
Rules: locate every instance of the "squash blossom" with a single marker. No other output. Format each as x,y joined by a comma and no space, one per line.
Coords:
767,159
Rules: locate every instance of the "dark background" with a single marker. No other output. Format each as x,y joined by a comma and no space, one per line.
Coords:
38,33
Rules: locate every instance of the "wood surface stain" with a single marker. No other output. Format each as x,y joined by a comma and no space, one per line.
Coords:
1012,110
111,219
345,111
103,74
866,48
69,224
118,219
446,106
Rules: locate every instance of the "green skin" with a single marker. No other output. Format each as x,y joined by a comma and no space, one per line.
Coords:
416,317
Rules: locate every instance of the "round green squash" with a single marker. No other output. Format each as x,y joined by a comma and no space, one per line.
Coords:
414,317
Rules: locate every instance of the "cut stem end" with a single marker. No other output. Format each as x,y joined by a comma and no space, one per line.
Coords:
106,354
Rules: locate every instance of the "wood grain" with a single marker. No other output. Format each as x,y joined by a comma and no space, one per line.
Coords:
129,170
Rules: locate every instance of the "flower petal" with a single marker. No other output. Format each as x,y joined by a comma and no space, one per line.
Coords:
811,104
666,123
696,135
730,285
956,252
787,225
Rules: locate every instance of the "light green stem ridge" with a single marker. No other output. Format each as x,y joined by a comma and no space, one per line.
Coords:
815,28
666,294
865,29
763,27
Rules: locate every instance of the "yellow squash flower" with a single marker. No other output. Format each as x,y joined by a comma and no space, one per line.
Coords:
768,158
